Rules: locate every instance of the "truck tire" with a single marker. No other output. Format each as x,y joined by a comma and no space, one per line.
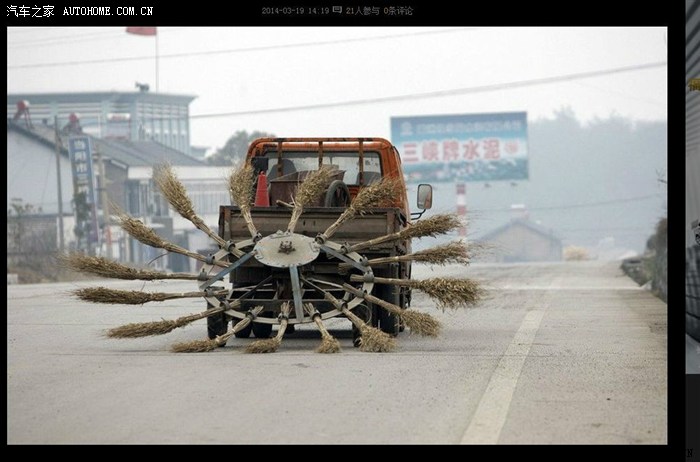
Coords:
245,332
388,322
262,330
216,324
337,195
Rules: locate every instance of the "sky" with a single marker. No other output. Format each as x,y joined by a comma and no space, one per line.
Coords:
241,70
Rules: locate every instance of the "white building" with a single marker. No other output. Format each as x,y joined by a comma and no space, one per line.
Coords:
32,178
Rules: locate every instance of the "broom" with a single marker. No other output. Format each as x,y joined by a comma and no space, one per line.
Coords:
328,343
448,292
148,329
176,194
372,339
148,236
134,297
201,346
454,252
110,269
309,190
374,195
420,323
270,345
429,227
240,187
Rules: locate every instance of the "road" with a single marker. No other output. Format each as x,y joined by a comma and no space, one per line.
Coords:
565,353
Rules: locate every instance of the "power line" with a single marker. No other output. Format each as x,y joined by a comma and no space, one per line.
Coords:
236,50
621,94
439,93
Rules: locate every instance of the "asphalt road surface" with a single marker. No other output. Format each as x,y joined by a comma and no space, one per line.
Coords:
569,353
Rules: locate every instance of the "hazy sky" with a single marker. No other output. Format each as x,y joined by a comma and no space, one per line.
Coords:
262,68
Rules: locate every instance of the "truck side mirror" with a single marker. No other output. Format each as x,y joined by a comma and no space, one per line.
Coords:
425,196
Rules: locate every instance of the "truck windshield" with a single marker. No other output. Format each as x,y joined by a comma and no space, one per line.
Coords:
348,162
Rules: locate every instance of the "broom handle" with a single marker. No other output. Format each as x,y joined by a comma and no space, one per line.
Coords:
375,241
199,223
185,276
379,280
248,218
296,213
390,307
347,215
213,311
240,325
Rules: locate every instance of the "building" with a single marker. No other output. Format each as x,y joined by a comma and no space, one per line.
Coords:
128,167
521,240
134,116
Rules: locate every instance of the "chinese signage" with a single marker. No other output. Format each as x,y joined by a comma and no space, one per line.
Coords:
466,147
83,186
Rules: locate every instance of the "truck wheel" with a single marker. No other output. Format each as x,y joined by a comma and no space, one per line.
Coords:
245,332
262,330
337,195
216,324
388,322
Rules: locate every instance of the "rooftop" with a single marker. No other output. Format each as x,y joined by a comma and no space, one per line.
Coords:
120,151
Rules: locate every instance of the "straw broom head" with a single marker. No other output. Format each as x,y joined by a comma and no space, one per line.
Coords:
329,344
144,329
139,231
202,346
454,252
126,297
111,269
314,185
174,191
372,339
377,194
450,292
270,345
430,227
421,323
240,185
376,341
195,346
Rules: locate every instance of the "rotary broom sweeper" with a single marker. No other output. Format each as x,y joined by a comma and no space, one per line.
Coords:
319,228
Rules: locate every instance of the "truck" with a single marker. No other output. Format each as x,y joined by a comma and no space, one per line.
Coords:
302,267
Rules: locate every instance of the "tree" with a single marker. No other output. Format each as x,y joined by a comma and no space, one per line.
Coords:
235,148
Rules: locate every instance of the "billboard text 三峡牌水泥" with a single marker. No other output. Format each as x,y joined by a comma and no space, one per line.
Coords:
462,147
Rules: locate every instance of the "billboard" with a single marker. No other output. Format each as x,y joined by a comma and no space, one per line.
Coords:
462,147
83,186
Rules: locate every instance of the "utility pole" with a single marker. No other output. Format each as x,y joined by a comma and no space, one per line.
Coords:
61,244
105,202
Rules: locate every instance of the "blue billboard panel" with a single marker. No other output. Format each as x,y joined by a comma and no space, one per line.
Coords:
462,147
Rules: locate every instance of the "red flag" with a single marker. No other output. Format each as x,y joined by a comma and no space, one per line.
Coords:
141,30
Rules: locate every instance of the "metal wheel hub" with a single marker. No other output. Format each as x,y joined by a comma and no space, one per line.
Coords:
285,249
290,251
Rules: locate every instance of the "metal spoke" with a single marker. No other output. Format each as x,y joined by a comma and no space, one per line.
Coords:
296,291
220,275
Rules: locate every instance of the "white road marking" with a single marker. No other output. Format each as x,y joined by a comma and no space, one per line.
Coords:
490,416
